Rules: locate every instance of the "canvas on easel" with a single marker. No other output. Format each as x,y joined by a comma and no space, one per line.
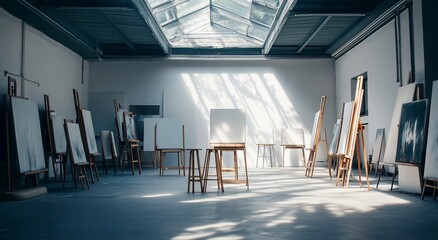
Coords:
89,132
333,149
77,153
431,160
315,138
378,149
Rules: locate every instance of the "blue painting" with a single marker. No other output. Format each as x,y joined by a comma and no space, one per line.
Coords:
411,143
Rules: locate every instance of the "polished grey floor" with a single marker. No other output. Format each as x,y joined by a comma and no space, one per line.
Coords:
281,204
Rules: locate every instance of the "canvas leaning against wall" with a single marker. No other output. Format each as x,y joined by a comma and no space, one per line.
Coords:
411,143
89,132
431,161
27,129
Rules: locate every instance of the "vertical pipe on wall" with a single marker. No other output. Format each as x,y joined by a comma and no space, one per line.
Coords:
411,42
23,30
398,48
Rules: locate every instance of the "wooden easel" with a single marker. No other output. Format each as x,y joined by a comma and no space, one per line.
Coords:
130,147
356,131
179,151
57,158
314,149
90,156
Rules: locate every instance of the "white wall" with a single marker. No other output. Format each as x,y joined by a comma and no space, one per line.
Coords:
56,68
377,56
275,93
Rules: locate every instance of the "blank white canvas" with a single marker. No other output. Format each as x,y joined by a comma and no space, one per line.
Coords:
431,162
265,136
345,127
314,128
89,132
28,137
148,133
120,123
292,136
227,126
378,148
75,143
113,144
60,141
335,140
169,133
405,94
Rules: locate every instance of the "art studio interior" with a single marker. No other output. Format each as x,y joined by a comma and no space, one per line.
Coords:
218,119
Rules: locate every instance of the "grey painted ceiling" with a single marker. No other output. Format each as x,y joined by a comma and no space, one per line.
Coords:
126,29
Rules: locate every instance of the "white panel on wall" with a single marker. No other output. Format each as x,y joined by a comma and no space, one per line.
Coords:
227,126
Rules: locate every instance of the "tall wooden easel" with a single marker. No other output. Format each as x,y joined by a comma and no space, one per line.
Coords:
355,139
310,166
80,119
58,158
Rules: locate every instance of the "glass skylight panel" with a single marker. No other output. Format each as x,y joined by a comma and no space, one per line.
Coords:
226,23
242,8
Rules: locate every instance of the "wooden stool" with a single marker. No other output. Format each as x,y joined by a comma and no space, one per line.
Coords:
218,166
134,155
271,153
192,178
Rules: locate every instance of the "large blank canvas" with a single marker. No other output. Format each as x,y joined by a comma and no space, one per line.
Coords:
75,143
106,143
169,133
378,148
28,135
411,143
405,94
59,138
431,162
227,126
292,136
89,132
345,127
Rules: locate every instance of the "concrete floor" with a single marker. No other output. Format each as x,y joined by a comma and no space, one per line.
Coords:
281,204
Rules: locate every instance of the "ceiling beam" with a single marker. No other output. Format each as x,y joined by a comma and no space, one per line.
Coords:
148,17
315,31
116,29
280,19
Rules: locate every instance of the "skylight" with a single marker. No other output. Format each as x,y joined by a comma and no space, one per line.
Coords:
216,23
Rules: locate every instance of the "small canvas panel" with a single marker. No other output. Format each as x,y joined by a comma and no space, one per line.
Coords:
227,126
119,118
265,136
292,136
106,143
378,148
89,132
75,143
129,127
28,136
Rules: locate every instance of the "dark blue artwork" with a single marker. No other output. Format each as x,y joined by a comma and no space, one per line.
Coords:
412,132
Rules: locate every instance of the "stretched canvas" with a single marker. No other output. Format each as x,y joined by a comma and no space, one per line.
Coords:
130,127
265,136
292,136
411,143
378,146
148,133
335,140
227,126
345,127
75,143
119,118
89,132
106,143
59,138
405,94
314,129
431,162
169,133
28,137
